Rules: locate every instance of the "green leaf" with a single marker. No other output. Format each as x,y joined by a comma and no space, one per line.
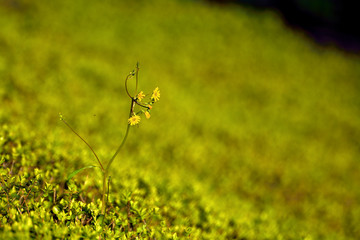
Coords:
71,175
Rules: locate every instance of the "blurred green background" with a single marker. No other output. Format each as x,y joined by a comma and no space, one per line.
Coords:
263,124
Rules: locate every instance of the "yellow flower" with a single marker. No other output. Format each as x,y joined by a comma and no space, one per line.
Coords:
140,96
156,95
135,119
147,115
149,106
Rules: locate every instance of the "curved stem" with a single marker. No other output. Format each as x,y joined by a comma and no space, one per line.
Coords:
102,168
126,88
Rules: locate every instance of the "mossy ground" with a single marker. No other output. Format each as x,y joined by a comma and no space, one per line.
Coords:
256,135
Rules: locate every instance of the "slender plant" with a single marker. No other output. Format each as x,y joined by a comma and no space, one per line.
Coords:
133,119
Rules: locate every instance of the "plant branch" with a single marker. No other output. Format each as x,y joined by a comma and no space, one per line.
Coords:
121,145
137,77
102,168
106,172
126,88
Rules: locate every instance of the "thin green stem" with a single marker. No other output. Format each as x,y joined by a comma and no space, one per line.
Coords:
132,106
103,209
126,88
122,143
102,168
137,77
118,150
108,192
106,172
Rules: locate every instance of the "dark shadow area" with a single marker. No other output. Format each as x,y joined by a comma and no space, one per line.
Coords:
327,22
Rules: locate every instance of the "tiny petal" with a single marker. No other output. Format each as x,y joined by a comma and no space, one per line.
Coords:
140,96
156,95
147,115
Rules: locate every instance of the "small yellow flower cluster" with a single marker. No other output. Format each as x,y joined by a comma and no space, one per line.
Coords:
135,118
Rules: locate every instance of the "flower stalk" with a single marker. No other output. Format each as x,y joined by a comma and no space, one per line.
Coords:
133,119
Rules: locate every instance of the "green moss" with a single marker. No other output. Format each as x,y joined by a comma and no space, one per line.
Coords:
256,136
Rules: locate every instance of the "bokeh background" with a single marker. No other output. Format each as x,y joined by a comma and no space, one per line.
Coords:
257,115
325,21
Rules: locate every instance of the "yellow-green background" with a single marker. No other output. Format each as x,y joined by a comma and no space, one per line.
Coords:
261,122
